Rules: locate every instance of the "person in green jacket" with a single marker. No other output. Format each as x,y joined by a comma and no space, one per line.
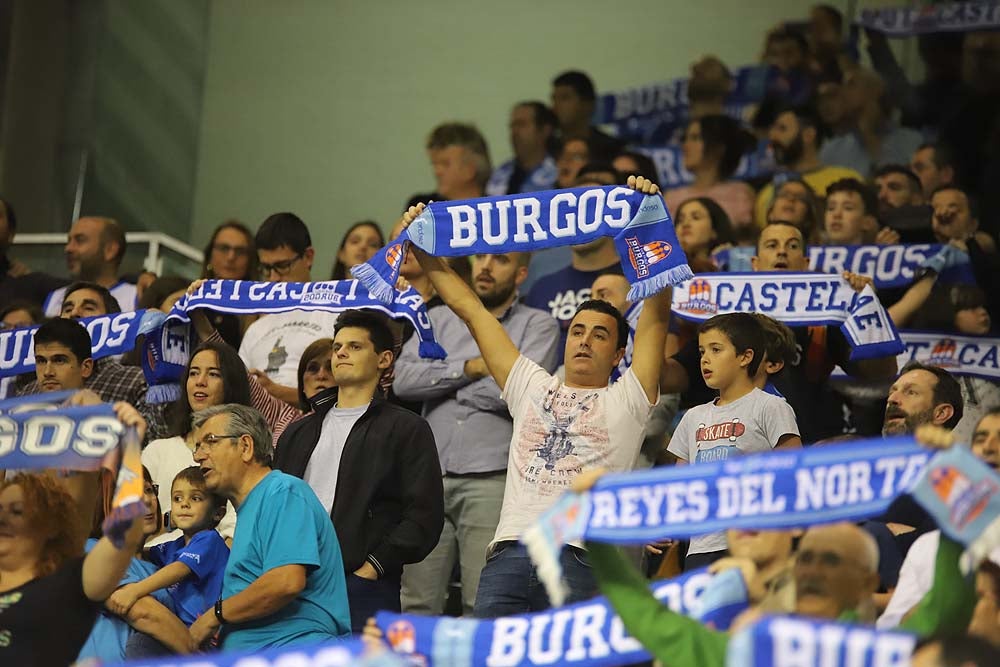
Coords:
835,572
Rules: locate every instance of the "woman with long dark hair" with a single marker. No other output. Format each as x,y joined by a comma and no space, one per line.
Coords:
702,226
361,242
230,255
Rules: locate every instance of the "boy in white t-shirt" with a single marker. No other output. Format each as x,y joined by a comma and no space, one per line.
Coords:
560,428
742,420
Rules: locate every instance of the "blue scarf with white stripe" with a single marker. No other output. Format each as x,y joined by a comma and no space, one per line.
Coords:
640,225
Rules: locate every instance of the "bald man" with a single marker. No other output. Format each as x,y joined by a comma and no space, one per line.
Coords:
94,249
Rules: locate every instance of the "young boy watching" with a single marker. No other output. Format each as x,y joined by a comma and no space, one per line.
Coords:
742,420
780,350
192,566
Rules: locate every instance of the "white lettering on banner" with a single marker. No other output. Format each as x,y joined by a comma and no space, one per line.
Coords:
568,215
882,264
662,504
107,332
748,495
51,435
11,347
802,644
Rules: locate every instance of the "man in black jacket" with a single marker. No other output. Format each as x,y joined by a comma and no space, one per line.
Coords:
373,465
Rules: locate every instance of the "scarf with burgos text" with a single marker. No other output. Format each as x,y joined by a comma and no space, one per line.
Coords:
41,432
945,17
796,299
346,653
167,351
110,335
585,633
640,225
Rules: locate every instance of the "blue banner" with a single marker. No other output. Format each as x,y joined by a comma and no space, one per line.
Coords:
944,17
350,653
978,356
110,335
670,171
588,633
794,641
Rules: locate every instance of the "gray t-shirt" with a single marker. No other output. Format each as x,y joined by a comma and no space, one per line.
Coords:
709,432
324,464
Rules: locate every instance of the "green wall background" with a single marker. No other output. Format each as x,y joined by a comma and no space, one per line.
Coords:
322,108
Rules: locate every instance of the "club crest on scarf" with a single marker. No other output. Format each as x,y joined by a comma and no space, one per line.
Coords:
644,255
965,498
961,355
700,300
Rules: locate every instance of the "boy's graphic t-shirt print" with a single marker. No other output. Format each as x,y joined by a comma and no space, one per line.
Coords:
560,431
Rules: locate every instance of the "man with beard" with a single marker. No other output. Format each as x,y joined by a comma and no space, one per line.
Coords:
94,251
922,395
471,426
795,136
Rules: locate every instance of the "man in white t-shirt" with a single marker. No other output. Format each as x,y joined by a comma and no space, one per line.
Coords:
560,428
95,247
273,345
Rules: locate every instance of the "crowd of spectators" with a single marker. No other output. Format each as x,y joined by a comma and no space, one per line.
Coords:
315,469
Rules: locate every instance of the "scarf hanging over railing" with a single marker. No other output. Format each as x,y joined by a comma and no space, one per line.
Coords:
794,641
946,17
586,633
347,653
110,335
39,432
797,299
167,351
642,230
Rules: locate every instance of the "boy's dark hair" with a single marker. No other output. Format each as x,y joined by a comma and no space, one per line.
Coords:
283,229
608,309
745,333
66,332
194,476
111,304
581,84
779,340
235,385
376,324
911,178
598,168
647,168
946,391
868,197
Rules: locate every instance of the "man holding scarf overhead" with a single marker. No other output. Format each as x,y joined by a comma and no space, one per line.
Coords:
560,428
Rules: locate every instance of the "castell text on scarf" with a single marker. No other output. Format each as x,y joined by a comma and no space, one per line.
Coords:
797,299
946,17
585,633
642,230
109,335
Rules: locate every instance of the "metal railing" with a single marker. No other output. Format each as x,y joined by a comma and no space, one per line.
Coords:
165,254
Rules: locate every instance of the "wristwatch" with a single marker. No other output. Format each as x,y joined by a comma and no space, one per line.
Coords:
218,612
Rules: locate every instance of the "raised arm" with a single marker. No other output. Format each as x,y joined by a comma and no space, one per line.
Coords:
499,351
651,331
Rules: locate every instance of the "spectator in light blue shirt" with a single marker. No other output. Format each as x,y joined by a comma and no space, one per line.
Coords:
284,583
532,137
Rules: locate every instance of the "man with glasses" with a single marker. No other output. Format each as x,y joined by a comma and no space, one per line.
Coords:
273,345
284,582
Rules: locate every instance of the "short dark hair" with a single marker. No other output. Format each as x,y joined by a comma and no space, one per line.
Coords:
779,340
112,232
194,476
743,331
160,289
807,116
110,303
622,328
544,117
11,215
251,250
911,178
724,135
721,224
969,197
947,391
375,323
868,197
235,385
786,223
283,229
66,332
598,168
580,82
32,308
647,168
944,156
340,270
312,351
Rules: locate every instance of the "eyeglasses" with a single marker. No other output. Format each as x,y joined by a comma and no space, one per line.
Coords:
211,440
281,268
226,249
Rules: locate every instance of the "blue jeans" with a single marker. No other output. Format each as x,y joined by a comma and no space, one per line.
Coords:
366,597
509,584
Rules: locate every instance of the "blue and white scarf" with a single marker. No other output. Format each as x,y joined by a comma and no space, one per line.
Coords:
167,351
110,335
670,171
347,653
978,356
776,490
40,432
587,633
794,641
797,299
642,230
946,17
